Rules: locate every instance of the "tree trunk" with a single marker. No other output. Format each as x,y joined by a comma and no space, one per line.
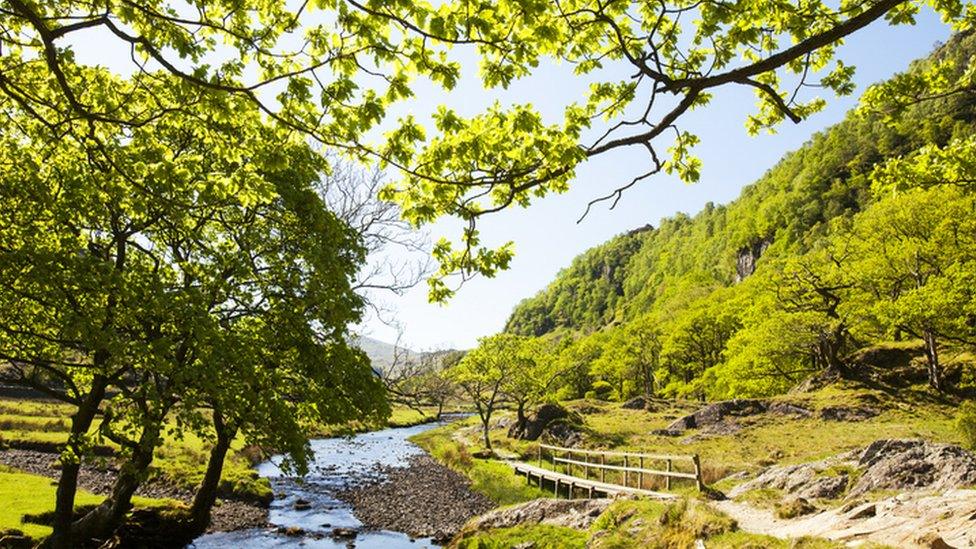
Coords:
520,419
64,503
932,357
485,420
100,522
206,496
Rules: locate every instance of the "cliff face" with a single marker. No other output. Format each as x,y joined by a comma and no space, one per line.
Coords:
745,261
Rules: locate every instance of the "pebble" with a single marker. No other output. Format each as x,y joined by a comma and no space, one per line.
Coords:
424,499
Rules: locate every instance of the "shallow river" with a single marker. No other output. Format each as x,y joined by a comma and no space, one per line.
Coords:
338,463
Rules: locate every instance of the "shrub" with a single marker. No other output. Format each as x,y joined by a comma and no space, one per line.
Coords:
966,423
601,390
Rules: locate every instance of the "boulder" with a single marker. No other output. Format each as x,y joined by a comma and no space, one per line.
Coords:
543,419
883,465
715,413
570,513
639,403
844,413
914,463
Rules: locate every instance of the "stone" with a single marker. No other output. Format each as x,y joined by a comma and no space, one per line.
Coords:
844,413
636,403
537,422
344,533
793,507
894,464
302,505
570,513
714,413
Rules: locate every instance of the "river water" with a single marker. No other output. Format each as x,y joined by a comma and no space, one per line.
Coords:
338,463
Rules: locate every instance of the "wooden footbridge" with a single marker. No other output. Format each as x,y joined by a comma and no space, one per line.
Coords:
613,473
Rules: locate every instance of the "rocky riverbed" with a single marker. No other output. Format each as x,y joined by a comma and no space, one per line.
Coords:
423,499
98,477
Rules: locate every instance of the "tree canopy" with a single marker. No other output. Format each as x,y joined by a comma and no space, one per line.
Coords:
152,275
333,71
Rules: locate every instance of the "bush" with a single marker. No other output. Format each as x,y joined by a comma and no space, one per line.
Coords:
601,390
966,423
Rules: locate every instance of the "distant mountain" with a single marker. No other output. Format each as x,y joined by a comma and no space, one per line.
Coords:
384,355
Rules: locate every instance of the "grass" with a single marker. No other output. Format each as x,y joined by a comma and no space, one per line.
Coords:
25,494
538,536
181,459
641,523
766,439
772,439
493,478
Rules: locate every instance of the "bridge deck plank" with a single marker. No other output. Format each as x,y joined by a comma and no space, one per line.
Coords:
604,487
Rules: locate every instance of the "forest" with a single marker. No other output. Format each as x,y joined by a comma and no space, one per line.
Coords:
862,236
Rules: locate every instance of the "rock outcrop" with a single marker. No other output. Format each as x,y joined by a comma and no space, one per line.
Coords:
719,417
571,513
912,464
882,465
560,424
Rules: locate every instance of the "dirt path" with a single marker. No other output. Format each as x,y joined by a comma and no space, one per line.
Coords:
906,520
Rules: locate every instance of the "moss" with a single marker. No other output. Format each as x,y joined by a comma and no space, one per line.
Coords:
537,536
761,497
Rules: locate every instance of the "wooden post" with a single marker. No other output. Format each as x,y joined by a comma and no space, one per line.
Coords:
626,472
603,472
698,472
540,455
586,467
667,480
572,486
591,491
555,489
640,474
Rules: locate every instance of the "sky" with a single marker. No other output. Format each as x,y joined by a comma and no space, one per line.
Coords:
546,235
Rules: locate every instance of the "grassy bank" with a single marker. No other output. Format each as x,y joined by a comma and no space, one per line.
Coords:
181,461
751,444
449,444
27,497
646,524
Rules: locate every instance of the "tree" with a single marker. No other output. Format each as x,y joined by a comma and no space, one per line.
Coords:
575,360
483,373
533,376
423,382
695,343
138,264
354,62
914,250
632,357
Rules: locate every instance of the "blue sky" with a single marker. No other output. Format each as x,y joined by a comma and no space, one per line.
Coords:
546,234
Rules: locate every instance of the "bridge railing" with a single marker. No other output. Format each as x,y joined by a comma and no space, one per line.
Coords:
631,469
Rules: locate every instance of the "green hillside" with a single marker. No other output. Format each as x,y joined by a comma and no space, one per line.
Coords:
690,276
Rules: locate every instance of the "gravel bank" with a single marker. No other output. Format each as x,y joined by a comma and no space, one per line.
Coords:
98,478
424,499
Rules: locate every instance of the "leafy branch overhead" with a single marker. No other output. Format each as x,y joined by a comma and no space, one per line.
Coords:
333,69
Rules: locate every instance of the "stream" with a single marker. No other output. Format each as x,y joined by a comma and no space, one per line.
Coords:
338,463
